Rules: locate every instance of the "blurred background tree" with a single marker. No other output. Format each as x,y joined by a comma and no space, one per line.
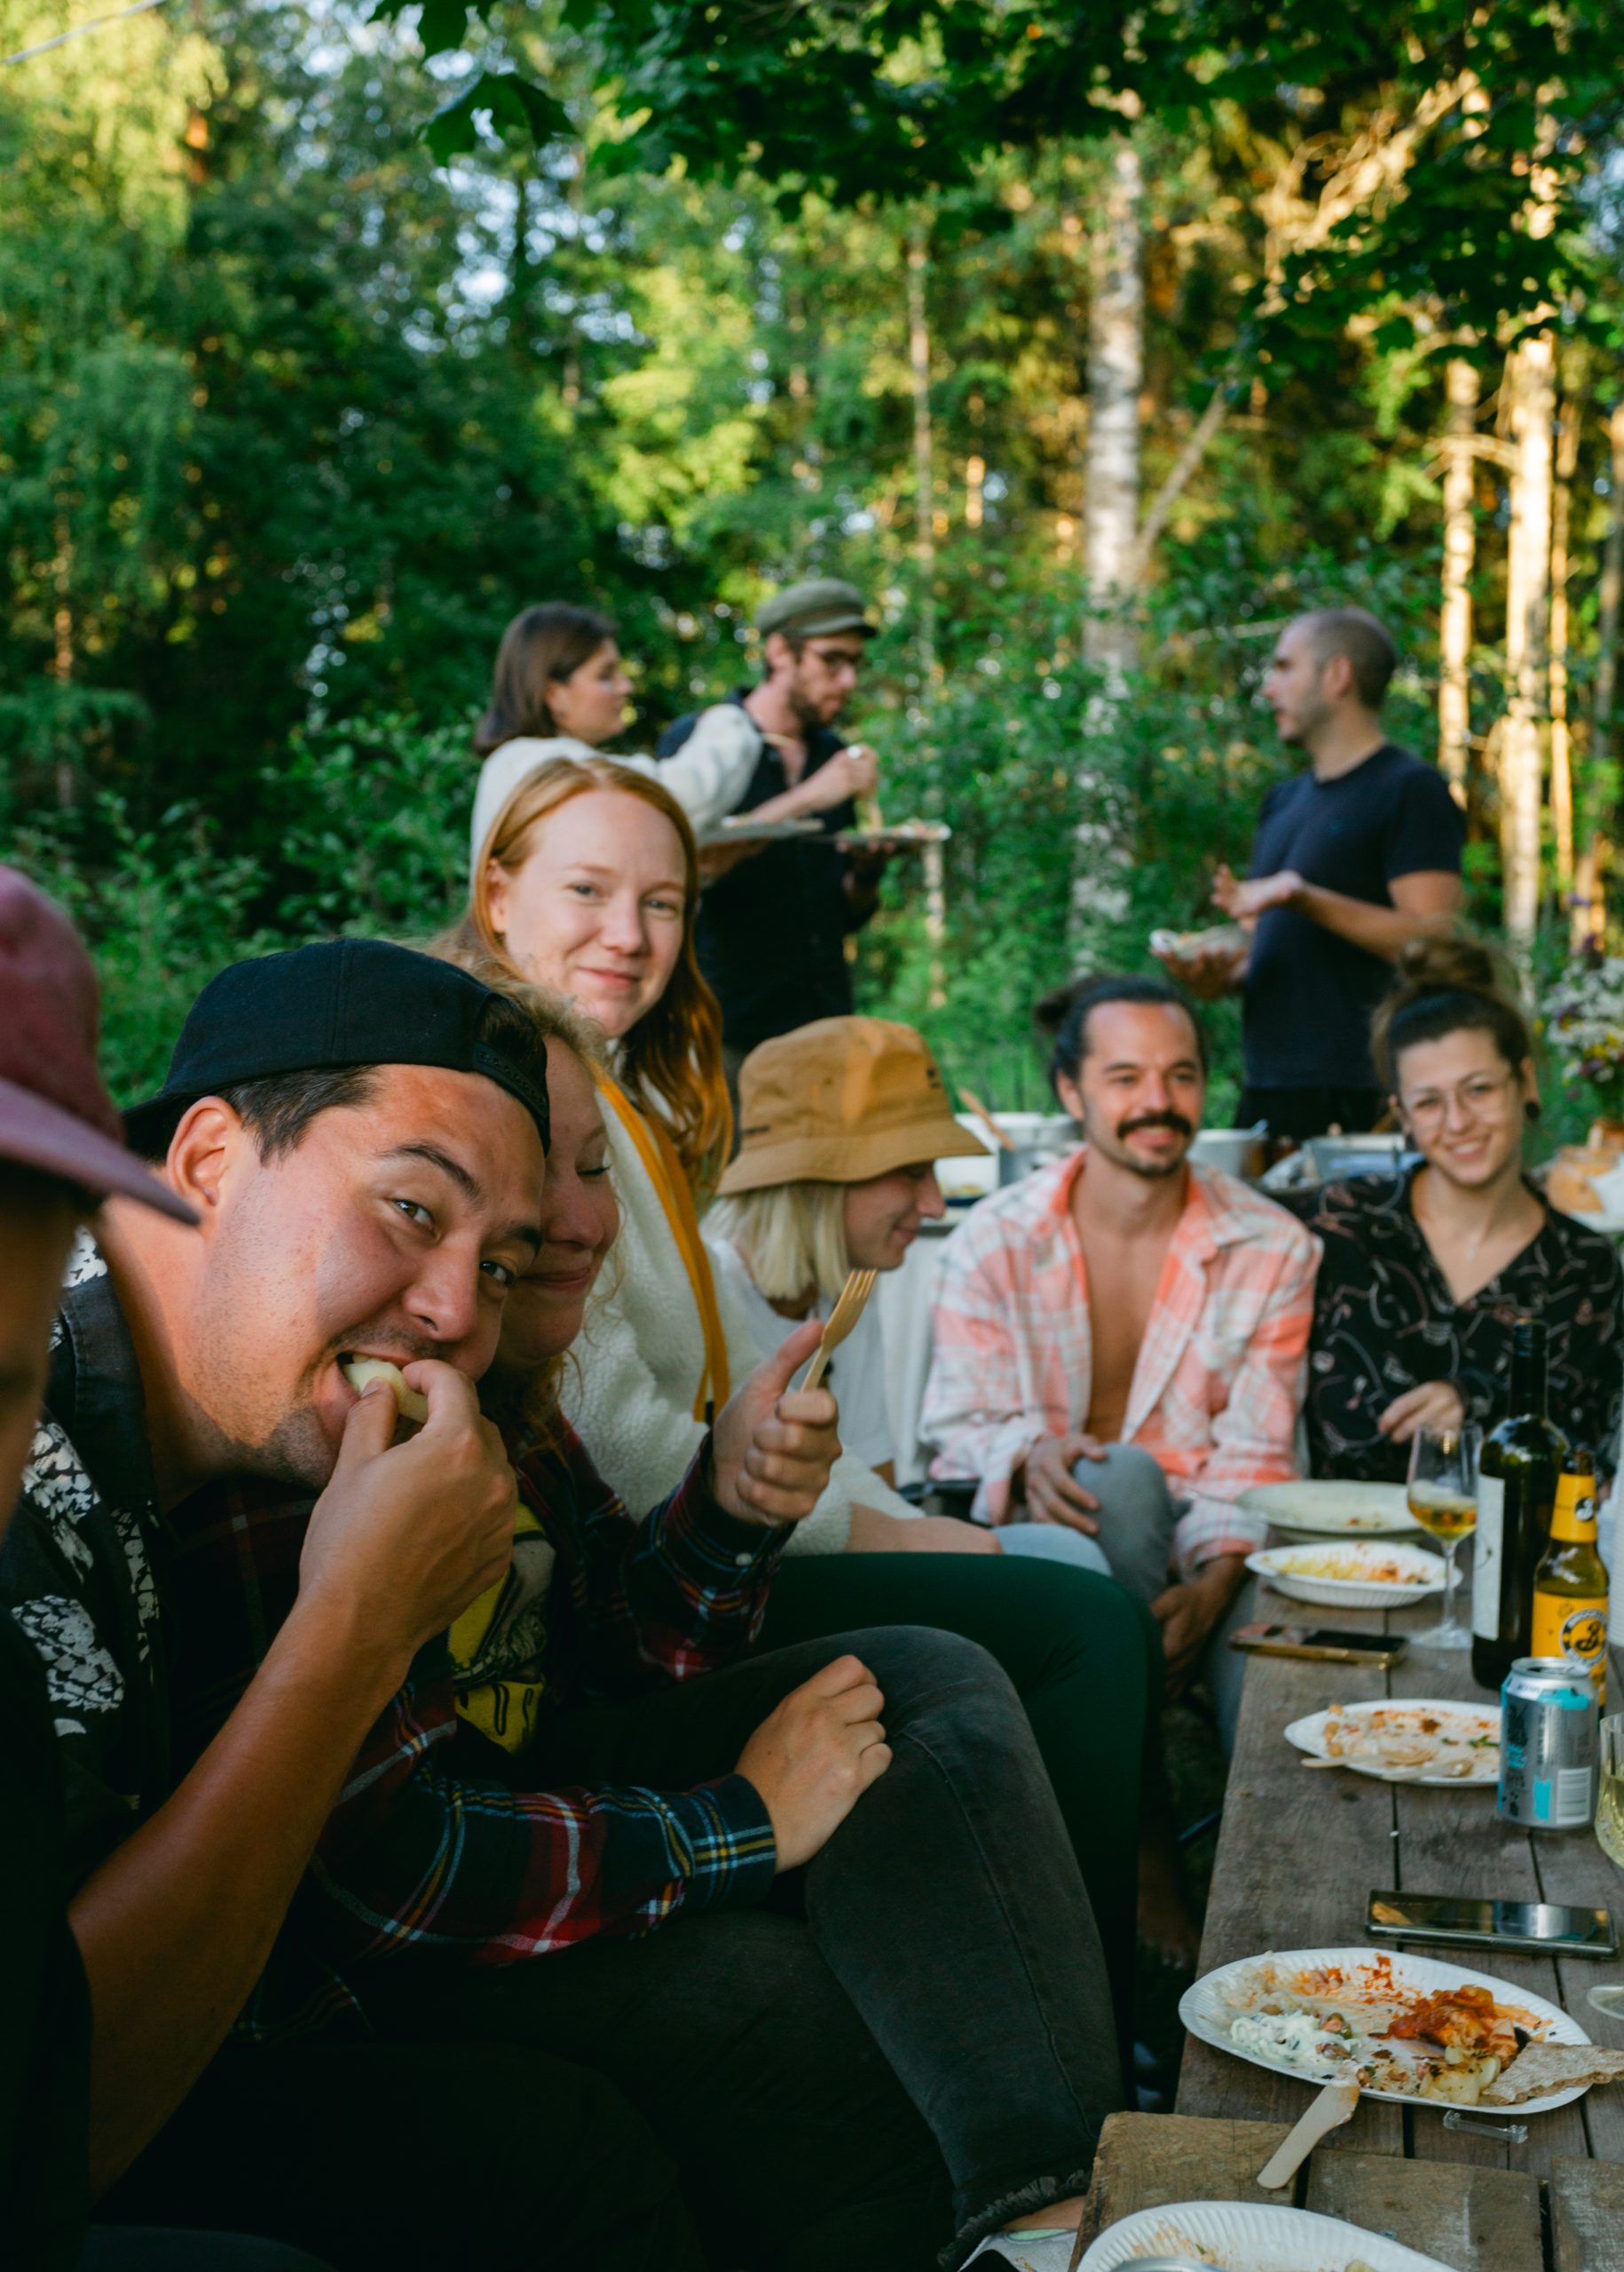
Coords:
1092,345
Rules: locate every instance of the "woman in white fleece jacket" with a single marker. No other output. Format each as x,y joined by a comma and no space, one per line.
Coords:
588,885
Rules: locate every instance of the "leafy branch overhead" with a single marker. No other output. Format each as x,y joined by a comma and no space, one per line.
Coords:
1491,115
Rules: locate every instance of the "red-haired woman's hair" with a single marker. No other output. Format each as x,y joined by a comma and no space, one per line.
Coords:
671,1061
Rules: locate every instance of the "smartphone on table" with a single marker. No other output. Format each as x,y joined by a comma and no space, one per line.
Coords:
1324,1643
1469,1920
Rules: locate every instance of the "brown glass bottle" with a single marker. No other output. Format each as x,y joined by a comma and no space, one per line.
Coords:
1523,1459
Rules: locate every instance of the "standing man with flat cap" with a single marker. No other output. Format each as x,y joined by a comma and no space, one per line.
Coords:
773,928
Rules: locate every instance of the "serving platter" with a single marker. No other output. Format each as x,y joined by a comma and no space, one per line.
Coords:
1209,2006
1291,1571
1247,2236
1463,1724
1333,1509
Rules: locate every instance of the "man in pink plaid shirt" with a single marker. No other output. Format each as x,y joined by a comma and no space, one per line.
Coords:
1120,1340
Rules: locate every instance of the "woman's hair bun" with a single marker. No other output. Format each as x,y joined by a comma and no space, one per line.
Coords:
1462,965
1443,986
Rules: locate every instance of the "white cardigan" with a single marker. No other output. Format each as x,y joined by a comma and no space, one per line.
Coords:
629,1393
707,777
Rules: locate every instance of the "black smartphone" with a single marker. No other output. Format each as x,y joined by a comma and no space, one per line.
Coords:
1327,1644
1544,1926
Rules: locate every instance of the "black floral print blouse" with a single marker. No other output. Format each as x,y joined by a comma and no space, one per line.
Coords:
1385,1320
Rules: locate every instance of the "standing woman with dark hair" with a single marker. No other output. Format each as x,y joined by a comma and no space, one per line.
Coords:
1423,1272
561,691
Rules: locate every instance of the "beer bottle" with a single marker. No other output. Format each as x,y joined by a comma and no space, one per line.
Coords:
1570,1586
1522,1459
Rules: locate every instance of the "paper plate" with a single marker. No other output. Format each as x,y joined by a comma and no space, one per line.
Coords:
1241,2236
1206,2012
1308,1734
1425,1574
1333,1509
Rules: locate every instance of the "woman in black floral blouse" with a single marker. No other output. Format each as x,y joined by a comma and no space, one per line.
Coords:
1423,1272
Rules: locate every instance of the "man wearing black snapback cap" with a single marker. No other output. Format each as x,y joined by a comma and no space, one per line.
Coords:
354,1156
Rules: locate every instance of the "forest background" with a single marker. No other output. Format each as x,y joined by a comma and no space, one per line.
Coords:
1092,345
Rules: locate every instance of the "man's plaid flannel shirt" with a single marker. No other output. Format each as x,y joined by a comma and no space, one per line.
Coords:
152,1625
418,1853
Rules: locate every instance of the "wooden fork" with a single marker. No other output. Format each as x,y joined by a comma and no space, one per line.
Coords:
842,1317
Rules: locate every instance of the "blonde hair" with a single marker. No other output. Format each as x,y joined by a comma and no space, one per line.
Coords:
527,1404
671,1058
790,1236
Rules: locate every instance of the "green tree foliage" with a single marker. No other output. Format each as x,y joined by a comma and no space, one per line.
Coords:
296,413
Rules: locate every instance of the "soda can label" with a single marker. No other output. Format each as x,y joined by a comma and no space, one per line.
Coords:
1547,1746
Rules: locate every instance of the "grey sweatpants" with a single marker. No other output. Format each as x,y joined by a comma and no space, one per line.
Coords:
1136,1515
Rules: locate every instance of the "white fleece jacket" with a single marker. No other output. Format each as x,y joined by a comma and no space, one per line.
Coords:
707,777
629,1395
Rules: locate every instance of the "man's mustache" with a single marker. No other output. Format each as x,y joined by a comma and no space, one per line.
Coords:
1176,1121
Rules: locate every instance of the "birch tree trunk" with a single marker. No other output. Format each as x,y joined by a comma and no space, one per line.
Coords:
1110,540
1115,376
924,553
1460,553
1568,424
1605,693
1589,883
1530,388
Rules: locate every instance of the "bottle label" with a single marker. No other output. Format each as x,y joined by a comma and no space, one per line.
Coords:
1573,1627
1485,1557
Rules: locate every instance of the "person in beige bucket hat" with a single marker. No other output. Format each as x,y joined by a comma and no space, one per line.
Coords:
840,1125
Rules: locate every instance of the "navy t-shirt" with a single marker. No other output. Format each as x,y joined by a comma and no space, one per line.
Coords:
1309,994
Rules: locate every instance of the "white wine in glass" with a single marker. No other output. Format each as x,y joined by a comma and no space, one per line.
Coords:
1610,1834
1442,1498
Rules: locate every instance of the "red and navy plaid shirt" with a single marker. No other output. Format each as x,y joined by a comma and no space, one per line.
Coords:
421,1853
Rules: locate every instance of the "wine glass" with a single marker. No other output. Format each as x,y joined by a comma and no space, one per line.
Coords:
1442,1498
1610,1832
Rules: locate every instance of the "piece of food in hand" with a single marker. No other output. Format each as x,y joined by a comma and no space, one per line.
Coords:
1541,2066
360,1372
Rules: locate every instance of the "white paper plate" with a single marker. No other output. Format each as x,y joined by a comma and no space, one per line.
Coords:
1206,2013
1308,1734
1241,2236
1274,1564
1333,1509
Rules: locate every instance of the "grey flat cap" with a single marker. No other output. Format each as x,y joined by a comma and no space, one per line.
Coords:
816,609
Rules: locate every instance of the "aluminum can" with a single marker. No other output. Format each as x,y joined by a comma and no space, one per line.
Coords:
1547,1746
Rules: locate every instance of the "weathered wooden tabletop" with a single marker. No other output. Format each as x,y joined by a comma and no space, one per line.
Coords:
1300,1852
1460,2214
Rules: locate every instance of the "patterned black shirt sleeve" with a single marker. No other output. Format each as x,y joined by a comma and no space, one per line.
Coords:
1385,1321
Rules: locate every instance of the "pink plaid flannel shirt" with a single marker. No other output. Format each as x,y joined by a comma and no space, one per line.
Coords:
1219,1380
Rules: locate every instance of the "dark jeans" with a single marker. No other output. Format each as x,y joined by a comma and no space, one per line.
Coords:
415,2158
1299,1112
143,2248
1086,1658
945,1924
749,2088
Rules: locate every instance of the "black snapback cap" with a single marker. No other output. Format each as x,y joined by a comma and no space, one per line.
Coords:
344,1002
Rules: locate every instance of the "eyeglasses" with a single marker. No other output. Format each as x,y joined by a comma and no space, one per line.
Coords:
1480,1098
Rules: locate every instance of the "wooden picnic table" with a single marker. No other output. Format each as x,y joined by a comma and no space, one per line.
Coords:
1300,1852
1471,2218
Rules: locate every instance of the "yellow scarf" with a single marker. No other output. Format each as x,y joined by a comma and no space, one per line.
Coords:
659,1155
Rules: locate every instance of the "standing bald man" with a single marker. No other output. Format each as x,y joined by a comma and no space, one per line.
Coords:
1353,859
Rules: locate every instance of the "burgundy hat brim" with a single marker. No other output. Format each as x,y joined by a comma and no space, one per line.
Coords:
36,1134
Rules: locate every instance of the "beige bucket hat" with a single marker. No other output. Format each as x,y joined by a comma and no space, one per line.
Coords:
838,1101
